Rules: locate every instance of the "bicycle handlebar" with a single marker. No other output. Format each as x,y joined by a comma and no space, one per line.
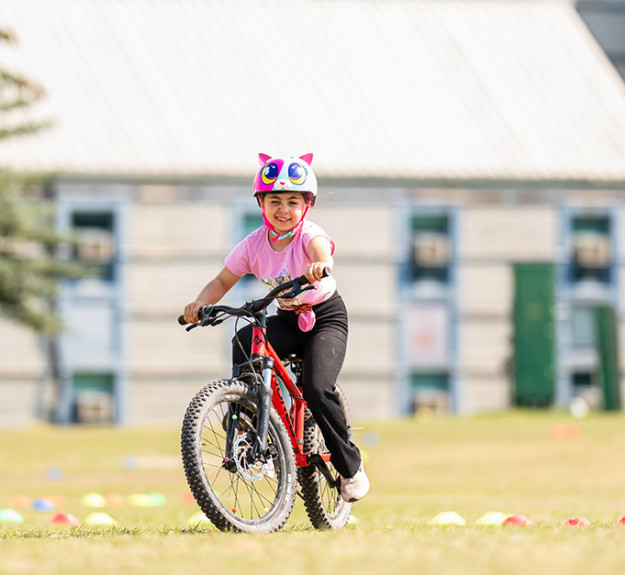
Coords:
216,314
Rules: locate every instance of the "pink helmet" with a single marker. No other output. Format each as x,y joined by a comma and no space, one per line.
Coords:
286,174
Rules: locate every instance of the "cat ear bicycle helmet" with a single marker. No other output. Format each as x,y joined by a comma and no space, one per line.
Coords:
284,174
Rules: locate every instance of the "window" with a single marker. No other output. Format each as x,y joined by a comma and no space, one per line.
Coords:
95,243
251,221
591,254
585,386
430,391
93,398
430,249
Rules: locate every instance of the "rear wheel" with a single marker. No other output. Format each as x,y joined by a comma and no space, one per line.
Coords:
236,491
325,507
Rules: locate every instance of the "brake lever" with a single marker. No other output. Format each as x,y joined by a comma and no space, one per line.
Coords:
206,315
296,291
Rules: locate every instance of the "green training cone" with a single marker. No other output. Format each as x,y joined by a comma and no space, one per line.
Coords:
10,516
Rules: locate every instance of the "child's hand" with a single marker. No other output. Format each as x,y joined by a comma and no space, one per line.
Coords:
315,271
191,311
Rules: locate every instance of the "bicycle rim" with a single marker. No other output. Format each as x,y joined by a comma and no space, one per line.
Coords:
236,492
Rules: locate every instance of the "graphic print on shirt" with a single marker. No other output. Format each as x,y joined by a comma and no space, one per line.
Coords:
281,279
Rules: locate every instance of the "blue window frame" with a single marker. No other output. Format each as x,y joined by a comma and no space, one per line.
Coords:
587,277
92,353
428,368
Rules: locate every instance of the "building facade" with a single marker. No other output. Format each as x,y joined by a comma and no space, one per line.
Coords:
428,275
472,173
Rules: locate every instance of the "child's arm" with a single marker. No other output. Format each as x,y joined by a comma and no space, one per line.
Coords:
320,252
213,291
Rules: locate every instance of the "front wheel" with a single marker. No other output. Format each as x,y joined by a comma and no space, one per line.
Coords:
325,507
235,490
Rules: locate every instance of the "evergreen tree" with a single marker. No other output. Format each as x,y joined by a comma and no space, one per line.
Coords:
30,267
16,93
30,270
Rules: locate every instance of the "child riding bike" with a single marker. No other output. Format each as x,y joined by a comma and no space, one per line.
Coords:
314,325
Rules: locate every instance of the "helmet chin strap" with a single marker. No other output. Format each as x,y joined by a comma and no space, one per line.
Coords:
293,231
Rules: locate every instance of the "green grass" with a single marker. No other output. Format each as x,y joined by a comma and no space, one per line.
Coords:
506,462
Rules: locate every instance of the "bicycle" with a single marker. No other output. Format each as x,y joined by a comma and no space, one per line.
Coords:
246,445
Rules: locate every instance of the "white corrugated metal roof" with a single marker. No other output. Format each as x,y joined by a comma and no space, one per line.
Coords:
381,88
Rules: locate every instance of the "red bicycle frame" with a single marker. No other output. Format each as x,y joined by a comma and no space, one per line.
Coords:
292,417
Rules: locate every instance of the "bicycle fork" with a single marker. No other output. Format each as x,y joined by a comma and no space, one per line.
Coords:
264,408
233,428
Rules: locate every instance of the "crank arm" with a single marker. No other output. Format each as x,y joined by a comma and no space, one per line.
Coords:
322,466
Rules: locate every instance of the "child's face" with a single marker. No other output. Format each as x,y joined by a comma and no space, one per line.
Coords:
284,211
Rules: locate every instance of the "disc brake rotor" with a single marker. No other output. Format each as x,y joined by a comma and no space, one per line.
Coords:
250,470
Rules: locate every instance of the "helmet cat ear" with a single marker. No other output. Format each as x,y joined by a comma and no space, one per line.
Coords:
262,158
307,158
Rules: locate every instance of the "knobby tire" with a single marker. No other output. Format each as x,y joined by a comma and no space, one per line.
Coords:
324,506
247,496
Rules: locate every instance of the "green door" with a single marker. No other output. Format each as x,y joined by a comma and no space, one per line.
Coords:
608,352
534,334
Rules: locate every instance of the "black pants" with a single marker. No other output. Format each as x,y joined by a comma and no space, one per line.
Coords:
323,352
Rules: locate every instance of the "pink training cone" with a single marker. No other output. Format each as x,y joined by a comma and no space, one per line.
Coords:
518,521
62,518
578,522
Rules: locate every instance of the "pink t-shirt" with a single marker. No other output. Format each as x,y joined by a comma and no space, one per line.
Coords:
255,255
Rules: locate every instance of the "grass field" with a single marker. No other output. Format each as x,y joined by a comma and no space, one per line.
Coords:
546,466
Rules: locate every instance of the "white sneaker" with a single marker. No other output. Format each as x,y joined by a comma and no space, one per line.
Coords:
355,488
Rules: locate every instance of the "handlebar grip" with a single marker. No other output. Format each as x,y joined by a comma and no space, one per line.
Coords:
326,273
203,312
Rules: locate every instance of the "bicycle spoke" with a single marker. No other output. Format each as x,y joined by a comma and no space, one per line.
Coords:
257,498
234,487
248,498
324,505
